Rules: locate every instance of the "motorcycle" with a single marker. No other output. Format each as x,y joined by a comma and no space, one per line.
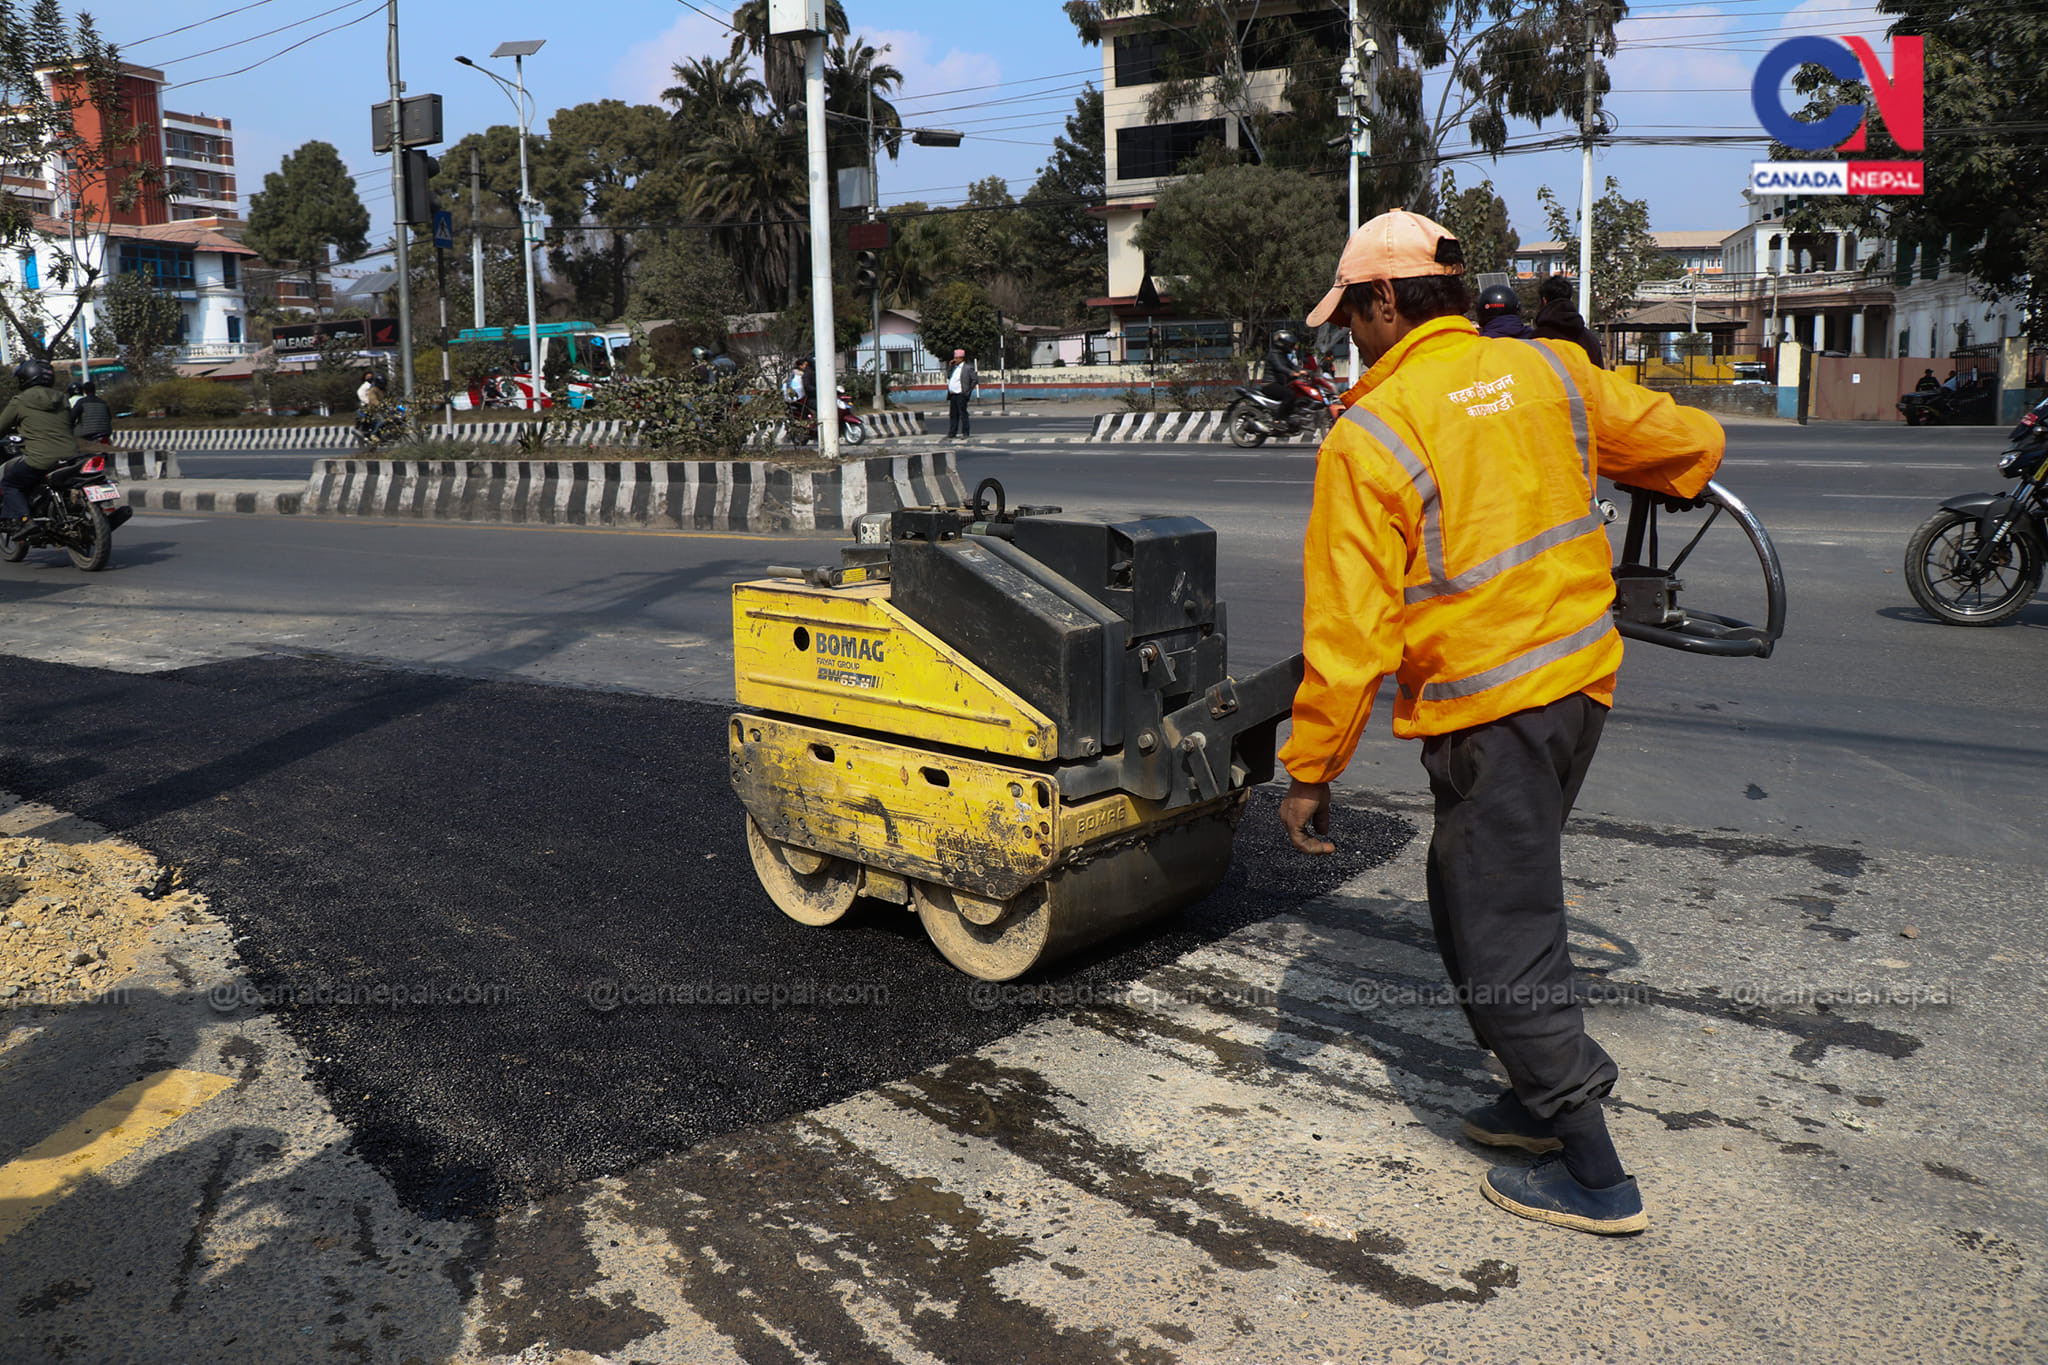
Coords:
1253,417
381,426
803,429
1978,560
73,509
1965,405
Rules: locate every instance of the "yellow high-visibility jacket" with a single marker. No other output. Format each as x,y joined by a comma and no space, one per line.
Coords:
1454,542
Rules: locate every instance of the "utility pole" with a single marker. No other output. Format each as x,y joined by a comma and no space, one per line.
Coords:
1586,183
1354,102
874,215
400,231
822,364
476,231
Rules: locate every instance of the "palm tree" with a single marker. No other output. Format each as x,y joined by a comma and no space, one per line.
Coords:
708,89
852,70
746,177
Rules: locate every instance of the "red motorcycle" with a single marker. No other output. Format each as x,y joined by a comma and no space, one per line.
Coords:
803,430
1253,417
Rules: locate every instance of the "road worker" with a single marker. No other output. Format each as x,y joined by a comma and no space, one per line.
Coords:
1454,544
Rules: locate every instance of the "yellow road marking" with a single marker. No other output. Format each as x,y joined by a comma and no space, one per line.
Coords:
96,1139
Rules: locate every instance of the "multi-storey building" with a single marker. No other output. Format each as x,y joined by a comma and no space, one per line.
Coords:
1143,155
185,242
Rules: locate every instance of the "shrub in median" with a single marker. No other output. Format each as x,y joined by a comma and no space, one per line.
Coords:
192,398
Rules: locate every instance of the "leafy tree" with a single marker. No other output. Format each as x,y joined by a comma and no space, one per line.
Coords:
39,130
1624,252
305,206
1246,242
144,322
1478,218
742,178
959,315
1065,244
609,168
687,282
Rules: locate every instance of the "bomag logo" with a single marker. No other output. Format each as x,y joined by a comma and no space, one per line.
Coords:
1107,818
849,648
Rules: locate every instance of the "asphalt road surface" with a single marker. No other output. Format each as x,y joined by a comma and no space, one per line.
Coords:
490,761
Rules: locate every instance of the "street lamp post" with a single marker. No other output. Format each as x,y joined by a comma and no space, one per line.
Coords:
519,52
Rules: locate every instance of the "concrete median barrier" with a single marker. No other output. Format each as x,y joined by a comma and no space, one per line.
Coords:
1178,427
342,436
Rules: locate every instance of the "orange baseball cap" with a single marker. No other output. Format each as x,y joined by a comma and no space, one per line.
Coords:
1394,246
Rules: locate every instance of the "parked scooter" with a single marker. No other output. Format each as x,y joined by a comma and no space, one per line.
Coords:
75,508
1978,560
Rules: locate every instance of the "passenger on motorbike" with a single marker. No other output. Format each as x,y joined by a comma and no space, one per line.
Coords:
45,422
1283,367
91,419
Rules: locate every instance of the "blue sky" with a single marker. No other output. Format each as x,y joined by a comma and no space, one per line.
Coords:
1005,75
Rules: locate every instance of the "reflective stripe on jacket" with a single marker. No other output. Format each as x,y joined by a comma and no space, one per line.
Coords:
1454,543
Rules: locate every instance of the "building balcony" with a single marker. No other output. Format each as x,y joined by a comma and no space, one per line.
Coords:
192,158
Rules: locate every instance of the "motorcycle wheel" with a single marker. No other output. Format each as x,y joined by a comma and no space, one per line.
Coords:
13,549
852,433
1243,426
1938,574
98,538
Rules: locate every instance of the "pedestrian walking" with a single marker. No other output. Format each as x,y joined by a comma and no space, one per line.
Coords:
1454,543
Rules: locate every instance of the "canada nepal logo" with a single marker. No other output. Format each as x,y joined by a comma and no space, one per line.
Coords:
1899,103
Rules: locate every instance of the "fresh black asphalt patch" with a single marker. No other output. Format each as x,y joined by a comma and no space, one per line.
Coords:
515,926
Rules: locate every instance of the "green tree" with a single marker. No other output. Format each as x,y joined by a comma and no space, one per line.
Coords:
609,168
743,178
144,321
1246,242
687,282
1065,243
1478,218
306,206
959,315
1624,252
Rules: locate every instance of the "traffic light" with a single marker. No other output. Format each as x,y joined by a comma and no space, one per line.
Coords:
419,194
867,270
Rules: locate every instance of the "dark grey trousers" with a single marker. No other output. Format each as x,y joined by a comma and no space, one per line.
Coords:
1496,893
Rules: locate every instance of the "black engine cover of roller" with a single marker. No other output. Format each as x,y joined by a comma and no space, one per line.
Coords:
1061,610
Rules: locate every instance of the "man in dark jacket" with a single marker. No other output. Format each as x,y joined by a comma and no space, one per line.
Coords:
91,418
45,422
1557,320
1500,313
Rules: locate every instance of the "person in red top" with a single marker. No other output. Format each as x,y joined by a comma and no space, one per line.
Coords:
1455,544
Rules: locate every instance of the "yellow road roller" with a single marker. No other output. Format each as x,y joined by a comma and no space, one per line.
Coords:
1019,723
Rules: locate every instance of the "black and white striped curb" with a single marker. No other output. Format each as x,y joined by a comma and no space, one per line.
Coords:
738,495
1174,427
604,433
144,464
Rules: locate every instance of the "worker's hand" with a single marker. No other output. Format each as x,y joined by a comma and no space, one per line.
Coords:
1306,806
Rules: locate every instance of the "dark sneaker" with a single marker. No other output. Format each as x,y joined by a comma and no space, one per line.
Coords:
1505,1123
1547,1193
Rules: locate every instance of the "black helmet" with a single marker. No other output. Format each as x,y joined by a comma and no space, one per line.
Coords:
1283,340
75,387
1496,299
699,353
34,374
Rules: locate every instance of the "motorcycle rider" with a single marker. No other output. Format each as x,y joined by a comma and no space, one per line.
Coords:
1557,320
91,418
1283,367
45,422
1500,313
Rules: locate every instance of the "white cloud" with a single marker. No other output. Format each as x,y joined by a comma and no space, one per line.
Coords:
925,77
1835,19
647,69
1668,54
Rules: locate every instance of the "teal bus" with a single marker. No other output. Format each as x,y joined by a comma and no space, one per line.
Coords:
593,354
